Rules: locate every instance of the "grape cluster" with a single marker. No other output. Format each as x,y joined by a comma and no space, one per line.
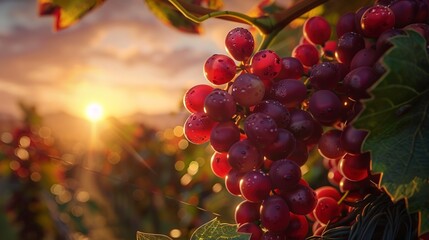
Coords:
263,113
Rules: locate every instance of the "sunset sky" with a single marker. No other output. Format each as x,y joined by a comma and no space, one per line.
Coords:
119,56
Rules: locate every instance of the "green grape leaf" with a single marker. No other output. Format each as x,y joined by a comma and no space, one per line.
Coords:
398,120
151,236
67,12
169,15
217,230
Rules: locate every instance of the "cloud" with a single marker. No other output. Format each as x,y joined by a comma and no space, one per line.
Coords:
120,48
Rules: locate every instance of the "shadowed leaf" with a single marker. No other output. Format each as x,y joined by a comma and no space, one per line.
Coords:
398,120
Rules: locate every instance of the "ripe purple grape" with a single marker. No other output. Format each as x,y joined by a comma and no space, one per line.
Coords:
289,92
255,186
291,69
358,18
346,24
282,147
219,105
240,43
300,154
376,20
352,139
364,58
300,200
197,128
325,106
324,75
277,111
194,98
265,64
358,81
317,30
274,214
301,124
285,174
219,164
403,12
248,90
307,54
383,41
348,45
329,144
247,211
260,129
224,135
252,228
243,156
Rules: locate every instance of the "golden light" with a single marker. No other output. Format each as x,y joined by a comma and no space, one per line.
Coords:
94,112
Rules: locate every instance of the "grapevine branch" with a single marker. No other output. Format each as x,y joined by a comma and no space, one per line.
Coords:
269,26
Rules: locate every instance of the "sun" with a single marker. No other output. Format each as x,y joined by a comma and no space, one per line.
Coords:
94,112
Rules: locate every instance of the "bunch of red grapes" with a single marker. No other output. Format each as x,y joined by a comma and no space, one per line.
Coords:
263,113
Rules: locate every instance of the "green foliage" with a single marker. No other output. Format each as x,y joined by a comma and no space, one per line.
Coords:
217,230
151,236
67,12
172,17
398,120
214,229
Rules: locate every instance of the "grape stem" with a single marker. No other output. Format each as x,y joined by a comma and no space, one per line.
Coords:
268,26
343,197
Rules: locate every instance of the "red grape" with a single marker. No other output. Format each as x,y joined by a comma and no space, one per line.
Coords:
324,75
240,43
232,182
219,105
277,111
376,20
223,135
194,98
275,214
255,186
260,129
307,54
289,92
197,128
300,200
265,64
355,167
219,69
282,147
247,212
346,24
348,45
325,106
329,144
298,227
243,156
291,69
317,30
252,228
219,164
326,210
247,90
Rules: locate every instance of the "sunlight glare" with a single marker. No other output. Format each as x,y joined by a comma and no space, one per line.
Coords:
94,112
